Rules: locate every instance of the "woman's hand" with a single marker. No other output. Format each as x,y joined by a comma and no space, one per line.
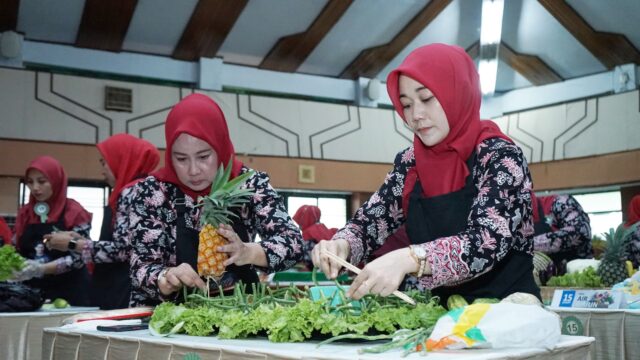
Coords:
339,247
383,275
240,253
32,269
60,240
172,279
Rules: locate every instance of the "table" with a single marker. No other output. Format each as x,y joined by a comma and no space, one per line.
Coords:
21,333
59,343
616,331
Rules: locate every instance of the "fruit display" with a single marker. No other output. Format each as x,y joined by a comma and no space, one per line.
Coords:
612,269
216,209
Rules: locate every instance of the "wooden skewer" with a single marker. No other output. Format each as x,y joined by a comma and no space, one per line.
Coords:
355,269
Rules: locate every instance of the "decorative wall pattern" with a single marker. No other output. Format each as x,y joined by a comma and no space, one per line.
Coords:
62,108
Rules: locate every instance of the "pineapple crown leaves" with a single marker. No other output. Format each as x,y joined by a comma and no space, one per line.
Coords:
225,194
617,240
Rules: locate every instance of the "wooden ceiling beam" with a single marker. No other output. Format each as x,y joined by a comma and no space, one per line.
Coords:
9,15
609,48
104,24
372,60
210,23
531,67
291,51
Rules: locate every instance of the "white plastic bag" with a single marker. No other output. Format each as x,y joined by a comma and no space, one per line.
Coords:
502,325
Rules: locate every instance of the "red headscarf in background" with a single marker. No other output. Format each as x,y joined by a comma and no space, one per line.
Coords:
199,116
130,159
308,217
74,213
5,232
633,214
452,77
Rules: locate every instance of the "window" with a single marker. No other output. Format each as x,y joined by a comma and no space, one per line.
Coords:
604,210
93,197
334,207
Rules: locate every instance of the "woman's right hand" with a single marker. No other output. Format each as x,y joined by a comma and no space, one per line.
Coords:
173,279
339,247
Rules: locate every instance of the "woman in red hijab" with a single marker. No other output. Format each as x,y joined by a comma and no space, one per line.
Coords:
562,230
126,160
164,221
5,233
308,218
462,191
59,274
633,216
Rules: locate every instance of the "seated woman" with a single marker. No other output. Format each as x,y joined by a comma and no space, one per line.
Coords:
633,216
59,274
463,192
125,160
562,230
308,218
165,221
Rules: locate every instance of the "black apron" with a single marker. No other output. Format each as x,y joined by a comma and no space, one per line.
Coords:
561,258
446,215
111,285
187,240
73,285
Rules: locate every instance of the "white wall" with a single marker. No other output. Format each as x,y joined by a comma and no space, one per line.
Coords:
62,108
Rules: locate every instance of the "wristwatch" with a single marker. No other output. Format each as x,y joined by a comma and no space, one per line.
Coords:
73,243
421,255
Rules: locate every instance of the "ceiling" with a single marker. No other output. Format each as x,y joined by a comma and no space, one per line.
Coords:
543,41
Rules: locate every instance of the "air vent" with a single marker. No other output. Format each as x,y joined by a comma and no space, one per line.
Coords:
118,99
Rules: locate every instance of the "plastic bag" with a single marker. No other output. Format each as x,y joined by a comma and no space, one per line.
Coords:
503,325
18,297
631,289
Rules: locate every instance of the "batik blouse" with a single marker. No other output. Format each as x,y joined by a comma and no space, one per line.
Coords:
152,226
499,221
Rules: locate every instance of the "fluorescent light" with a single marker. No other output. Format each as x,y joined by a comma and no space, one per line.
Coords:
491,28
490,34
488,70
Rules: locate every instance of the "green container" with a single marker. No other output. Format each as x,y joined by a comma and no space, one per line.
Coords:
304,276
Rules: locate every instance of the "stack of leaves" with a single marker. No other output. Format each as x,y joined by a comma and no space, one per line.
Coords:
10,262
289,315
588,278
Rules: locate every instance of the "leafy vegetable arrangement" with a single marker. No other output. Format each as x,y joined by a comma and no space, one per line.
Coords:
10,261
585,278
290,315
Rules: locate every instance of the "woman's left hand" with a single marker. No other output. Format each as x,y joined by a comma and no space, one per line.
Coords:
240,253
59,240
383,275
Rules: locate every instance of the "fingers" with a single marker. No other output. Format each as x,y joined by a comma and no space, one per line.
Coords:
183,275
360,287
228,233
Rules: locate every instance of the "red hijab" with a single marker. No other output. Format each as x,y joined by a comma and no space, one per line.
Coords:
74,213
452,77
130,159
633,214
308,217
5,232
199,116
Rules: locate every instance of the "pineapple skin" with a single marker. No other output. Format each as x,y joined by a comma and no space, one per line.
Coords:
211,261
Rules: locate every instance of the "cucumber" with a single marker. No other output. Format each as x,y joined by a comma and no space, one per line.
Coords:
486,301
456,301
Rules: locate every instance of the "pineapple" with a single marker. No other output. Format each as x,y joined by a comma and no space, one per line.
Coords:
224,196
612,268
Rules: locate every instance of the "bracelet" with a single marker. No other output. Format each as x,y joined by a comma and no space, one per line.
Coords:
415,258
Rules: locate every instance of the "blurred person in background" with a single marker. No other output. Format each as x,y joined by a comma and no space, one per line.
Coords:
308,218
59,274
5,233
125,160
562,230
633,216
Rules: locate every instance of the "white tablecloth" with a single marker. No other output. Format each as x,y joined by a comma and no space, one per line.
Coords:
616,332
61,343
21,333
